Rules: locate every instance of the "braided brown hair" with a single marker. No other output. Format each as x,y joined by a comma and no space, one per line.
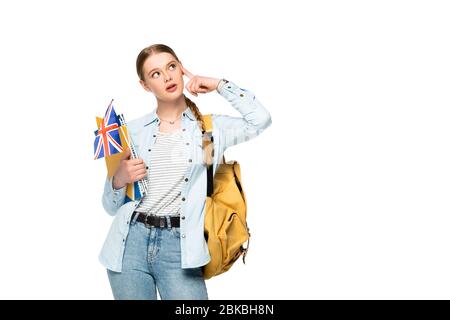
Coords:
158,48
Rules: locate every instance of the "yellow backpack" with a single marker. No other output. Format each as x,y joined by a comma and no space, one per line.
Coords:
226,227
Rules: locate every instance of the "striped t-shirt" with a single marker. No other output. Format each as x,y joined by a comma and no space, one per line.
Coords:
166,170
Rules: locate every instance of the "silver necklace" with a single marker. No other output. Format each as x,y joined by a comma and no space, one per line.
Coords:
171,122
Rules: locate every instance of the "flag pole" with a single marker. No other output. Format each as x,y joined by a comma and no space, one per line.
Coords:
110,103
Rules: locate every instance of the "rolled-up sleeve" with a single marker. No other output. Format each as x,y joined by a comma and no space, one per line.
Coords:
112,199
255,117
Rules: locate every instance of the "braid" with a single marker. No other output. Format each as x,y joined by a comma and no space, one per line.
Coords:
207,145
196,112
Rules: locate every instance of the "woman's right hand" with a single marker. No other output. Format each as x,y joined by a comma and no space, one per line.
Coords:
129,171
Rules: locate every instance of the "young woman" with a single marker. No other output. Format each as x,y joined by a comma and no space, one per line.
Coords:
157,242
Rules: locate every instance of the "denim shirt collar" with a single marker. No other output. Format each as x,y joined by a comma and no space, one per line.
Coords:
153,116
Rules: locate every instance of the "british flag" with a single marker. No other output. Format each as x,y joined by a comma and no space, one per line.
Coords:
107,139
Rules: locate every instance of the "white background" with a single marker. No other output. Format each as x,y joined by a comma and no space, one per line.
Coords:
348,190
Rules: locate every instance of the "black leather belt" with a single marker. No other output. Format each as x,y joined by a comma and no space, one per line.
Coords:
156,221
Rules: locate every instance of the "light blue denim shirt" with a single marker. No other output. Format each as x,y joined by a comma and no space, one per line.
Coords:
227,131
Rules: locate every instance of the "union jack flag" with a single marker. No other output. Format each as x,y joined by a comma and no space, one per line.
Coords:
107,139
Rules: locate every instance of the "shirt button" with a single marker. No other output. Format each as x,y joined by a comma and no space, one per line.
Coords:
190,160
184,129
183,198
146,167
183,235
229,87
186,179
241,95
187,143
149,150
154,135
183,217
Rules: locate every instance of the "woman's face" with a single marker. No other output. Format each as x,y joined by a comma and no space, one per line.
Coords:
160,71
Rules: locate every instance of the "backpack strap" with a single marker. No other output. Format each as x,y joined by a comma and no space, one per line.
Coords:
208,151
207,119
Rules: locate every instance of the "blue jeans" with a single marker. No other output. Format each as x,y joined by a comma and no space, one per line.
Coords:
152,259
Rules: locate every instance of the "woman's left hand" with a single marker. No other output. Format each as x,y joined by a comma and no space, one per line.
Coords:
198,84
